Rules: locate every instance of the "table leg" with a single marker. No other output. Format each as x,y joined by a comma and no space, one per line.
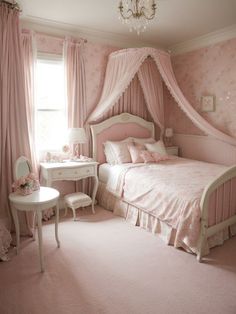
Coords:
56,224
95,187
39,221
17,228
34,225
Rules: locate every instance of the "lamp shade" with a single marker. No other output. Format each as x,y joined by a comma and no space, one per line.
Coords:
77,136
169,132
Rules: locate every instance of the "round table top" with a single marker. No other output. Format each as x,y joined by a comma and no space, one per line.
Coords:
41,196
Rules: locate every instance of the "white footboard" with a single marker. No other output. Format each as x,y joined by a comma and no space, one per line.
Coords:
221,192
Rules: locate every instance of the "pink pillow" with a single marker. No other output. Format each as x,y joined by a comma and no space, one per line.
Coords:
117,152
135,154
158,157
140,146
147,156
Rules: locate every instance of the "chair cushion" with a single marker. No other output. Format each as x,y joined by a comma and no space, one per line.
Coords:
78,199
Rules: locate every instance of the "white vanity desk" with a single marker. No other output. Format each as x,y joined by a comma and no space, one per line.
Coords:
71,170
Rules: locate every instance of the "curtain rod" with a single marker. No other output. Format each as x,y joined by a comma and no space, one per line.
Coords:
61,37
12,5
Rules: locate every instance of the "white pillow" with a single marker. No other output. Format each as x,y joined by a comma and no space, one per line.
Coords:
110,156
157,147
117,152
143,140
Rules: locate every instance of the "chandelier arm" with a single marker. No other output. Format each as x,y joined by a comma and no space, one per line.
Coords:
136,11
142,11
128,16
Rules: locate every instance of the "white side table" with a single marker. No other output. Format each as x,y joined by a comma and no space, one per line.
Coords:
72,170
38,201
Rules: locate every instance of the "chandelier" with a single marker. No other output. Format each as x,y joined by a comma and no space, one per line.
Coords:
137,14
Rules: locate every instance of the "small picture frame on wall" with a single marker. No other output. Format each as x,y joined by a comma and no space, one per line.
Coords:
207,103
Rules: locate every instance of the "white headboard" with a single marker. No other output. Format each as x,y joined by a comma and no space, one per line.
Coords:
118,128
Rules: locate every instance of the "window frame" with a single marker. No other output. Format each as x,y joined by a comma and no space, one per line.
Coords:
54,59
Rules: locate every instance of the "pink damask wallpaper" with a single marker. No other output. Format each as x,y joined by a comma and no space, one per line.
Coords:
206,71
96,57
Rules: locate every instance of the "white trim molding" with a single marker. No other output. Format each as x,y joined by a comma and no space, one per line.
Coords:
65,29
54,28
204,41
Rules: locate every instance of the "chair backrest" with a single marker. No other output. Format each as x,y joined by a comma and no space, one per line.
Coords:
22,167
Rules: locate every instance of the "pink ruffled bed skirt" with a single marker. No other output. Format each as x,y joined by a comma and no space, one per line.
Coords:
138,217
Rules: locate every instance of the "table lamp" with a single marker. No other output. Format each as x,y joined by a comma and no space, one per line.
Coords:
168,136
76,136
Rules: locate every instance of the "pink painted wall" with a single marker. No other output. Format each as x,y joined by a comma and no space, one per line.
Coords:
206,71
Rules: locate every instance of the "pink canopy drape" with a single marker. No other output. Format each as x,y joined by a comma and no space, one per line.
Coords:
121,69
14,133
151,83
133,94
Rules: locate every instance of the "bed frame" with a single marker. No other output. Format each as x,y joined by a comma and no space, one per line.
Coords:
223,188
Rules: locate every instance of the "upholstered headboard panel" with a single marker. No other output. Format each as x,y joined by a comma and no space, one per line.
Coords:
118,128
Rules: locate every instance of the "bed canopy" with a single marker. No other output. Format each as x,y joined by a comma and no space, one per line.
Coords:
123,65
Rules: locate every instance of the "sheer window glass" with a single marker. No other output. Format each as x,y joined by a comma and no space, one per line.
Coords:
51,113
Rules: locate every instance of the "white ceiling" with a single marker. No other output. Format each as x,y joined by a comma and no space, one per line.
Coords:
176,20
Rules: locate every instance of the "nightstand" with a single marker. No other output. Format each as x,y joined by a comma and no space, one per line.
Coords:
172,150
70,170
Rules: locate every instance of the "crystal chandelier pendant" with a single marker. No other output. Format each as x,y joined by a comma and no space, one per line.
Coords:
137,14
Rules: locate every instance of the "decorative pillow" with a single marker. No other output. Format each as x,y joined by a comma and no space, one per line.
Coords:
143,140
117,152
157,147
147,156
140,146
158,157
135,153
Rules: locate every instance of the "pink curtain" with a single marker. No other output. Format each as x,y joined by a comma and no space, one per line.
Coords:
13,114
76,87
121,69
29,59
151,83
76,91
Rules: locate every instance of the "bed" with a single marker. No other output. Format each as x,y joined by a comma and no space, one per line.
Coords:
190,204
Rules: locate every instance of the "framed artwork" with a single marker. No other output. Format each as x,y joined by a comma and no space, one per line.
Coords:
207,103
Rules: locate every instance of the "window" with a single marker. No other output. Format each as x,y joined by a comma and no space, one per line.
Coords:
51,114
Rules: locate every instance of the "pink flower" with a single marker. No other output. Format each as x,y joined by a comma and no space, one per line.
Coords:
32,176
26,182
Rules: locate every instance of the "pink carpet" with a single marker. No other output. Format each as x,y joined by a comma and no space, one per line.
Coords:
106,265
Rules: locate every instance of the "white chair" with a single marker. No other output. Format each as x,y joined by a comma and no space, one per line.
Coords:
38,201
77,200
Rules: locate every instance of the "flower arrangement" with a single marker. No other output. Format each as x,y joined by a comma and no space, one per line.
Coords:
27,184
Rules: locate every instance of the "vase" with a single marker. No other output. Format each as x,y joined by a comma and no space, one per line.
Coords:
36,185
